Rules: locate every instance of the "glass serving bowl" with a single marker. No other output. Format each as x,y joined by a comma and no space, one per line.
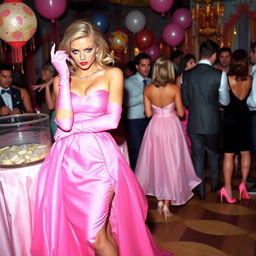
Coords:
25,139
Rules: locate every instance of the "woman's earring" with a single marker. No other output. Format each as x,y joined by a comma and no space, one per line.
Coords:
97,55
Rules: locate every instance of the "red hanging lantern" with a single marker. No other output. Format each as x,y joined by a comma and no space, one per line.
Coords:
17,25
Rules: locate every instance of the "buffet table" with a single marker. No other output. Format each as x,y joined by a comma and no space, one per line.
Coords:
17,195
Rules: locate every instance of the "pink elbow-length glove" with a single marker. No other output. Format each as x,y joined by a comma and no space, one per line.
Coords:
107,121
59,61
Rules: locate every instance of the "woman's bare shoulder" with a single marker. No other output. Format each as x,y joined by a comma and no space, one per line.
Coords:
249,77
149,88
172,87
56,79
113,70
22,90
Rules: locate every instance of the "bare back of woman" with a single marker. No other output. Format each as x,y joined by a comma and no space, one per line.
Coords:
163,96
240,88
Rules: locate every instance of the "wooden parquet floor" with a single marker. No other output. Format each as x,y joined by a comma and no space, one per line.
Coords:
207,227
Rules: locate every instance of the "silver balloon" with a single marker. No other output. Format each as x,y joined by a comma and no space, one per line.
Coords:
135,21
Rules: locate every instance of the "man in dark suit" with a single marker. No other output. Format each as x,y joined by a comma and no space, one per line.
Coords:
13,100
204,90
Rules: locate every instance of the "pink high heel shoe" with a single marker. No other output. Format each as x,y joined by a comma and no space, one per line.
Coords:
243,194
166,212
159,208
223,192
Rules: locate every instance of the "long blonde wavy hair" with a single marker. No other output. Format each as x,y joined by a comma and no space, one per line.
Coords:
82,28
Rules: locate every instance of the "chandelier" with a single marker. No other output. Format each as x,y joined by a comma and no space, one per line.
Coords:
208,17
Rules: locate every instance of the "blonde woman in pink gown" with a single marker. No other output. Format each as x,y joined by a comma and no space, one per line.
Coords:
88,200
164,167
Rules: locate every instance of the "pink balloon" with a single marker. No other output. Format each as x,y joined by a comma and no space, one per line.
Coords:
161,5
182,17
173,34
51,9
153,52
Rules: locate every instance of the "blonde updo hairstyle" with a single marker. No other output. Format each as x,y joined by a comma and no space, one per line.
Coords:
163,72
82,28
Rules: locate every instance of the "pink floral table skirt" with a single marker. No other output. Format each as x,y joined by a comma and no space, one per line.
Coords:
17,196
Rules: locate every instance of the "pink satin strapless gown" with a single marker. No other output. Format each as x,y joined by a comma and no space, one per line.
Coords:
74,187
164,167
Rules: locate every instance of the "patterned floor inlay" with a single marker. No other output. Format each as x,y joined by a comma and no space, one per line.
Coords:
192,249
213,227
228,209
208,227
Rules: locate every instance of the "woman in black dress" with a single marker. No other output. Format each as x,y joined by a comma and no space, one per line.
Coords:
236,135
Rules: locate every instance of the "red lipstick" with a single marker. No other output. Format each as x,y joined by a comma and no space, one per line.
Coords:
84,63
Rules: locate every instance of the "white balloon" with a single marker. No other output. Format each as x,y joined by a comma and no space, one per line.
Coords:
135,21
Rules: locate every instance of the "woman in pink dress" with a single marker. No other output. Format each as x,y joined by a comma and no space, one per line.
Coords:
88,199
188,61
164,167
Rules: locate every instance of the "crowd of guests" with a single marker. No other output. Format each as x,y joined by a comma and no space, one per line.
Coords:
213,100
219,105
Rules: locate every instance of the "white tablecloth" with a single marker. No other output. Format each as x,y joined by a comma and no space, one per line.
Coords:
17,196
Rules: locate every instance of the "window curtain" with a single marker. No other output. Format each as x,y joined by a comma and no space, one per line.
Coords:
240,30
